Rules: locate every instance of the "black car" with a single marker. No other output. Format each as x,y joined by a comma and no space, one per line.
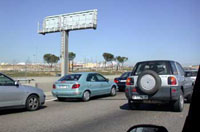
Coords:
121,81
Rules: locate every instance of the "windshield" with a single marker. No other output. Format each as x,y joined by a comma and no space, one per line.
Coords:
125,75
159,67
71,77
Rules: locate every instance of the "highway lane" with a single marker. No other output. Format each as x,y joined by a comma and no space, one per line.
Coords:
105,114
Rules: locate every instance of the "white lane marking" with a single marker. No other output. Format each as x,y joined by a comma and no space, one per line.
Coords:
48,100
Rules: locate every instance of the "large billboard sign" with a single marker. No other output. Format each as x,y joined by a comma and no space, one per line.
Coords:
68,22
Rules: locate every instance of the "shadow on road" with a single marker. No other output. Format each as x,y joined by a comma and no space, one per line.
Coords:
100,97
17,110
148,107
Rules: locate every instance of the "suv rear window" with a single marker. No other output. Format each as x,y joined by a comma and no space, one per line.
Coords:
71,77
161,68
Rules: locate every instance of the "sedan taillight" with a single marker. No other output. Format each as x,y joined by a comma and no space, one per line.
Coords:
116,81
129,81
54,86
76,86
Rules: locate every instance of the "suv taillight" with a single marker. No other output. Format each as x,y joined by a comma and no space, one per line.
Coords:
54,86
76,86
116,81
129,81
172,81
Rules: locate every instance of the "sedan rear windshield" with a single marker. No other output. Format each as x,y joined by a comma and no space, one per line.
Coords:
160,68
71,77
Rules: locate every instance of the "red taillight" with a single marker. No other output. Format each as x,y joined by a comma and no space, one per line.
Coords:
116,81
129,81
172,81
76,86
54,86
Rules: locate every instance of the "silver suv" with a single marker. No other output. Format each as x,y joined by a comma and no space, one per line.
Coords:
158,82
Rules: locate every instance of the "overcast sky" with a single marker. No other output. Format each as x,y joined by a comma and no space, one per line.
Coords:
138,29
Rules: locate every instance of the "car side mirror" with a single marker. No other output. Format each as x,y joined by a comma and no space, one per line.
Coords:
107,80
147,128
16,83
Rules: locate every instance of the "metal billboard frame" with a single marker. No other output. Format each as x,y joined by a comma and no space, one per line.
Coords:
67,22
62,23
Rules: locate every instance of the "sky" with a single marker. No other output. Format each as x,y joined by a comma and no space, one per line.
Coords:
137,29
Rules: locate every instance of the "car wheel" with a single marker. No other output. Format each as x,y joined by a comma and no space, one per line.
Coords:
113,91
149,82
179,104
86,96
189,98
32,103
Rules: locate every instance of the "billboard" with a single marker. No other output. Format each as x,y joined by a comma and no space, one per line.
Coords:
68,22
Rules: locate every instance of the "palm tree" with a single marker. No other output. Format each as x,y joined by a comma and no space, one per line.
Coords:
71,58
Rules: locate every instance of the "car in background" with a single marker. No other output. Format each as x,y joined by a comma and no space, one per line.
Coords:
160,81
15,95
192,74
83,86
121,81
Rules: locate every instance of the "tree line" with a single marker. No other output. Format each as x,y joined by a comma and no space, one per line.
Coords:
108,57
53,59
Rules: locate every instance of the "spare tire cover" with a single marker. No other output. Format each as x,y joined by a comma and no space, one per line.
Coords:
149,82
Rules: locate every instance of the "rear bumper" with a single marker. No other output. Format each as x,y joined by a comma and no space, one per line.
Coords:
67,94
164,94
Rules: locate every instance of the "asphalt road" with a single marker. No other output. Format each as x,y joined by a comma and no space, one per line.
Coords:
102,114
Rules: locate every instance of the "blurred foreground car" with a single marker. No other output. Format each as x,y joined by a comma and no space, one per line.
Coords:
121,81
83,86
15,95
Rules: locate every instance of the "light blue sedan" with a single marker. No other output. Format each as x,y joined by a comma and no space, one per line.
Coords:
83,85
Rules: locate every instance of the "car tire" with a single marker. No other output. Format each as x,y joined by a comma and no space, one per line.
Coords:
179,104
113,91
86,96
189,98
149,82
32,103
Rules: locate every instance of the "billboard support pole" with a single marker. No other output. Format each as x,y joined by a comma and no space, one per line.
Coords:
64,53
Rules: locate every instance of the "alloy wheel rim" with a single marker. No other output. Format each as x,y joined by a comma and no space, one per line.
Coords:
87,95
33,103
113,91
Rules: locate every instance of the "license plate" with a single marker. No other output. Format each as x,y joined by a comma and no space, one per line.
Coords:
62,87
139,97
122,81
